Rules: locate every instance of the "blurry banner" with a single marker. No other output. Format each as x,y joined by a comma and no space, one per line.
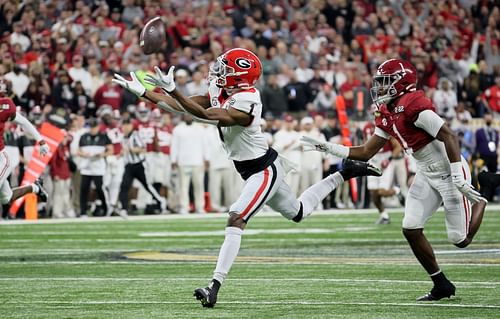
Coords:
346,139
53,137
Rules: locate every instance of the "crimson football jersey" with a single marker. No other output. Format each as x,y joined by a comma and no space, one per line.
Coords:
164,135
7,110
147,133
115,135
400,122
369,131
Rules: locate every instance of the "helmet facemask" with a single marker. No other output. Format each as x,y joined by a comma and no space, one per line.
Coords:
219,72
383,88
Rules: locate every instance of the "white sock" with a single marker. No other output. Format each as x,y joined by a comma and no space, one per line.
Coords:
34,188
228,252
313,196
384,215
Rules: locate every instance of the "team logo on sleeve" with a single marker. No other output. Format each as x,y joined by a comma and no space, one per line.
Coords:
243,63
5,106
384,122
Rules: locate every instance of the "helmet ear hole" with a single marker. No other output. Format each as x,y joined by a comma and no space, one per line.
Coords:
392,91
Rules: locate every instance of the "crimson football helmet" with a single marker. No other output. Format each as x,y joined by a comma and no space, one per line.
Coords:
393,78
236,69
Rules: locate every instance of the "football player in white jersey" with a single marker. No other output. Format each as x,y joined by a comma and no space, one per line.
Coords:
233,104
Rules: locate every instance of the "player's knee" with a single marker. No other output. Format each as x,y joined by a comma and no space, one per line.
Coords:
5,198
458,239
412,234
464,243
234,220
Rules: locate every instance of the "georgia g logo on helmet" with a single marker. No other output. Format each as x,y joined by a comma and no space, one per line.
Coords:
243,63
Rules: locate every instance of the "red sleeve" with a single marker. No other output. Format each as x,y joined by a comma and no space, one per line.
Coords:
7,109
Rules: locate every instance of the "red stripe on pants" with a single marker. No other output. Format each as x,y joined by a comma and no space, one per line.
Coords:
466,206
257,195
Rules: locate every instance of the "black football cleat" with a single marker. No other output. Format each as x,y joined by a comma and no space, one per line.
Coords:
207,296
445,290
42,193
488,182
352,168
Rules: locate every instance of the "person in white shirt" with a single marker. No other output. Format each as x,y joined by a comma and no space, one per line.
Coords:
197,86
304,73
78,73
189,156
18,37
445,99
19,81
221,172
311,170
287,143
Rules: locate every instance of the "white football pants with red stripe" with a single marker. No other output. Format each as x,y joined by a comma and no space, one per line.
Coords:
267,187
432,187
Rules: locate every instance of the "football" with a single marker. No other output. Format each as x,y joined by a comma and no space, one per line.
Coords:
152,36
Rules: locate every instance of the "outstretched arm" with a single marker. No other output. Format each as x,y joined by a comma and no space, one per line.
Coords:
363,152
31,130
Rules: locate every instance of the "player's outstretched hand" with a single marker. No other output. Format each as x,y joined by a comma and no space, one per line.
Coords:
44,148
457,177
135,86
165,82
310,144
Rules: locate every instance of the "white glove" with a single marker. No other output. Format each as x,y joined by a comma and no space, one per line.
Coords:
43,148
134,86
458,179
310,144
165,82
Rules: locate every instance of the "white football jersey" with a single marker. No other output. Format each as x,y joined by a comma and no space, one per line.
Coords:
242,143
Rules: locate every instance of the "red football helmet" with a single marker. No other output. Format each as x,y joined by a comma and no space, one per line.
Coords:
236,69
394,78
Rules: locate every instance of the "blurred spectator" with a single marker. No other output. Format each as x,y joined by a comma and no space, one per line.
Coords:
491,96
61,179
311,170
93,148
325,100
298,95
221,172
190,156
274,100
181,81
63,93
287,143
487,144
109,93
17,36
445,99
78,73
303,72
346,89
197,85
19,81
82,103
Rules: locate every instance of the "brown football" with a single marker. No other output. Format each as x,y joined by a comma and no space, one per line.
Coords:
152,36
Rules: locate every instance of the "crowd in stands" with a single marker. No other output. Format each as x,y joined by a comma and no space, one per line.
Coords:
58,58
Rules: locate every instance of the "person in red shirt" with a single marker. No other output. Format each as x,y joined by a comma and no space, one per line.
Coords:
61,177
8,113
109,93
443,175
492,96
161,170
346,89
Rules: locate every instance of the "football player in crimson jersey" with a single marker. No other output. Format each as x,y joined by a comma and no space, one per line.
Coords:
233,104
8,113
162,164
443,176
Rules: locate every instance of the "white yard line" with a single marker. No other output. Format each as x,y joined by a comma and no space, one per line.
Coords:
202,216
236,280
247,302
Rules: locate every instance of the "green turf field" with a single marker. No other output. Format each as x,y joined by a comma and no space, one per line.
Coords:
330,266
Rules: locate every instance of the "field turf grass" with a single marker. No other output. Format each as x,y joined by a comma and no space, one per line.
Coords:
334,265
